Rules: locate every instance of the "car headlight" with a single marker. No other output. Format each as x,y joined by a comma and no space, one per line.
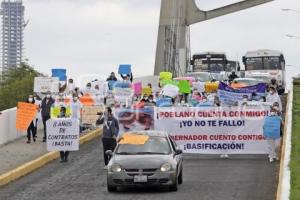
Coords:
115,168
165,167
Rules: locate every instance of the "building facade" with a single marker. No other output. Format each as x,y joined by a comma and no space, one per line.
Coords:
12,12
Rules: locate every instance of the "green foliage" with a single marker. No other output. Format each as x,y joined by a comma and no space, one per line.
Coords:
16,84
295,155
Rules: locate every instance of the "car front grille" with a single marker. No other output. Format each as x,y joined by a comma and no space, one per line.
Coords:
146,172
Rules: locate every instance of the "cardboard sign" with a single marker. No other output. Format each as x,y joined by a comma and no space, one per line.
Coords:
63,134
60,73
89,114
45,84
125,69
135,139
26,112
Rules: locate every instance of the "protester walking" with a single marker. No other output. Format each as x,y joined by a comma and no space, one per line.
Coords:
273,97
110,133
63,154
47,103
271,132
31,133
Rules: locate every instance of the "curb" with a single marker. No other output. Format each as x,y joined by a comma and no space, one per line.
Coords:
37,163
283,148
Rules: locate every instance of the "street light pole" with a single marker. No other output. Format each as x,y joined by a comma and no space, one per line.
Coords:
290,10
293,36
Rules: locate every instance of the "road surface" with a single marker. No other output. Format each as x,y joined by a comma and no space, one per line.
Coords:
205,178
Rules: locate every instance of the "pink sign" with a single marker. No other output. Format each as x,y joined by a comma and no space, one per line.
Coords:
137,88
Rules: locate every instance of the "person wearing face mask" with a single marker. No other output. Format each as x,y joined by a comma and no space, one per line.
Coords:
110,133
31,129
271,132
88,90
46,105
273,97
70,87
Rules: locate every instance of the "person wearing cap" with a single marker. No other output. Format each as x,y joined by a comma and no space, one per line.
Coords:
46,105
273,97
271,132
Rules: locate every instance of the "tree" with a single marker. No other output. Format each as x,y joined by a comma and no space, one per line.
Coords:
16,84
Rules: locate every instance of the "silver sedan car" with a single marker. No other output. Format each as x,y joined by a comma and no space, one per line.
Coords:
157,162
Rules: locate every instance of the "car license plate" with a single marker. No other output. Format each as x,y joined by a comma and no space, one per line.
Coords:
140,179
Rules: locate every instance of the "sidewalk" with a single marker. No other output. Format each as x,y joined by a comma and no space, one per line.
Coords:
18,152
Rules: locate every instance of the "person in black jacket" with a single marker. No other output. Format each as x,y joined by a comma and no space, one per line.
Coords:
46,105
110,133
112,77
31,131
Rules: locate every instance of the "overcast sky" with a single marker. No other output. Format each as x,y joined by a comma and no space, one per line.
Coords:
95,36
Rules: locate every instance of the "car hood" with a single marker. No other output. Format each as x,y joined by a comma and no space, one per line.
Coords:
141,161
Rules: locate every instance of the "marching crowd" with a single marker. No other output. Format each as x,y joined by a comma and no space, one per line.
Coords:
100,93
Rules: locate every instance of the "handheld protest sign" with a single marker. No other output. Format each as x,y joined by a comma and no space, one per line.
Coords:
168,81
45,84
55,111
26,112
60,73
124,69
184,87
170,91
89,114
147,91
63,134
165,76
87,100
211,87
137,88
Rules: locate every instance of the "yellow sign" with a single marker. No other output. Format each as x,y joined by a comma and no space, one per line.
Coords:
147,91
165,76
211,87
55,111
135,139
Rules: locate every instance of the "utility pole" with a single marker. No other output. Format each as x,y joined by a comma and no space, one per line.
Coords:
173,35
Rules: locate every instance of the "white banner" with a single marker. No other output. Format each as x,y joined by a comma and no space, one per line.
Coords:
45,84
63,134
215,130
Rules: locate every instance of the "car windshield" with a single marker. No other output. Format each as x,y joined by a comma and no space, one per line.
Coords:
154,145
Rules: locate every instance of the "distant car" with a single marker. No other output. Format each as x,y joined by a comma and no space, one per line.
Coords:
158,162
246,81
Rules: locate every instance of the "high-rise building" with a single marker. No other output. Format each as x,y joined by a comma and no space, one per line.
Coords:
12,12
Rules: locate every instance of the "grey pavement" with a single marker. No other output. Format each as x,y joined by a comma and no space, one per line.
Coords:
19,152
242,177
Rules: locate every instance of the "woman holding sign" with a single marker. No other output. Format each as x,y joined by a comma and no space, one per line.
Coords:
31,131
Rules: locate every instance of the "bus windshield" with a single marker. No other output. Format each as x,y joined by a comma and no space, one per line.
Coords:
263,63
209,64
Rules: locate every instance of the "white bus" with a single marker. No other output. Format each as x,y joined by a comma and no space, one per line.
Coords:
267,62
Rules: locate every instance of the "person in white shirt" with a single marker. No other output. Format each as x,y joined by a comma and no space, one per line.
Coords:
273,97
75,108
